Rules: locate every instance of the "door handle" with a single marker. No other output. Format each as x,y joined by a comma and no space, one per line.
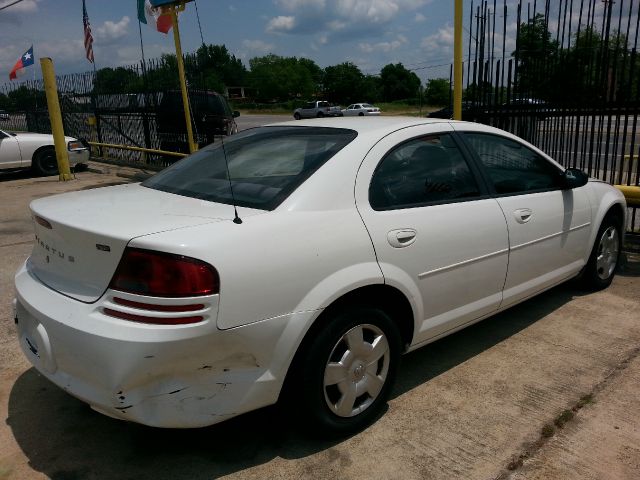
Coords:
402,237
523,215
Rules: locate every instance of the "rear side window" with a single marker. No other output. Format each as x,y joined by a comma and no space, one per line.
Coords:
265,165
424,170
512,167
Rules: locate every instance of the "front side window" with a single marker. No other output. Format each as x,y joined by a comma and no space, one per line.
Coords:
512,167
421,171
265,165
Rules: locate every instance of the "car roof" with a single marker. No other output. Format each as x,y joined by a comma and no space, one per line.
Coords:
379,126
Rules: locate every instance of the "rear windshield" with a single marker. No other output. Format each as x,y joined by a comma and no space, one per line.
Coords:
265,165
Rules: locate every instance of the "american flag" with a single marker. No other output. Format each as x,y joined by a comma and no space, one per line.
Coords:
88,38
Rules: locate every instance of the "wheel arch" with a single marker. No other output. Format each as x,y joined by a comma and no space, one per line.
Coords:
41,149
389,299
609,203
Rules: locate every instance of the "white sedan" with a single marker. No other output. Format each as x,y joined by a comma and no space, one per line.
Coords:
36,150
360,110
300,260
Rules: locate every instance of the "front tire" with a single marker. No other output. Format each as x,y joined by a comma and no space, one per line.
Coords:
296,116
347,373
45,163
320,115
605,255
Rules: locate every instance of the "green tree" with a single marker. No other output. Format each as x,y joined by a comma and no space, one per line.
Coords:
342,83
25,98
371,88
536,53
4,102
281,78
438,91
117,80
212,67
398,83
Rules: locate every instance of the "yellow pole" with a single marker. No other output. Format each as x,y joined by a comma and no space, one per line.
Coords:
55,117
457,61
183,81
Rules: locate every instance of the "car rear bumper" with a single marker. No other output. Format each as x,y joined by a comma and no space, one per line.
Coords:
78,156
163,376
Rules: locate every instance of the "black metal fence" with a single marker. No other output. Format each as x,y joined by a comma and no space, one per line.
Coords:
564,75
122,106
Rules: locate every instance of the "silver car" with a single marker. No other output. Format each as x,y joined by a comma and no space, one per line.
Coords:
360,110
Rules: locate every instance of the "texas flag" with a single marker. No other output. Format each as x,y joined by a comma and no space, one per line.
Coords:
25,61
157,18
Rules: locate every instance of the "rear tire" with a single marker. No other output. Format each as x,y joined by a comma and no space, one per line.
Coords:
320,115
361,114
45,163
296,116
605,255
346,375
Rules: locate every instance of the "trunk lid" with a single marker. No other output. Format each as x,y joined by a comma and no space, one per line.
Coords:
89,230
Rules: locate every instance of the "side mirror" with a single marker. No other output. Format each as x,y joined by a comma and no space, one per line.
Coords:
236,113
574,178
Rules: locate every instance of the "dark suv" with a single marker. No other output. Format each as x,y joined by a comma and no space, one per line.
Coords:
210,112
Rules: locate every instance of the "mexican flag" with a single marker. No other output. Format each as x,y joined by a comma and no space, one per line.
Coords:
157,18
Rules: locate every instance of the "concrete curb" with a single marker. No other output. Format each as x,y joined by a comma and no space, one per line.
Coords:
131,173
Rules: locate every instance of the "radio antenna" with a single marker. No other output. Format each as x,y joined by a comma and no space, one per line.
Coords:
236,219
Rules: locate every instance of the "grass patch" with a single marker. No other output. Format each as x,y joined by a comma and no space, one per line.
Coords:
548,430
563,418
584,400
390,108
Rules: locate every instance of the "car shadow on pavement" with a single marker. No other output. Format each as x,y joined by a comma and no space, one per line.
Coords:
64,439
428,362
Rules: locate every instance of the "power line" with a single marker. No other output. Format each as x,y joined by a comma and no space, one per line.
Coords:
11,4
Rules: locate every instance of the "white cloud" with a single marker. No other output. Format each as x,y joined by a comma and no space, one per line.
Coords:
62,50
110,32
281,24
128,55
293,5
441,40
15,13
419,18
339,18
384,46
258,46
24,6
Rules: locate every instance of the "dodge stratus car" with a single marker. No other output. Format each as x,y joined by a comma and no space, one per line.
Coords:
300,260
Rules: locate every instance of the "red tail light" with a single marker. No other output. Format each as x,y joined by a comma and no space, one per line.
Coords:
158,274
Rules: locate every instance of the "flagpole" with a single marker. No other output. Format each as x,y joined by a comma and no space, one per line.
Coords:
144,61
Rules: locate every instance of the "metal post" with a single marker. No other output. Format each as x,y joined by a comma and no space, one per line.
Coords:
55,118
183,82
457,61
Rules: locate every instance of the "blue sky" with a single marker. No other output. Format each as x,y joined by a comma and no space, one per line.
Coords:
369,33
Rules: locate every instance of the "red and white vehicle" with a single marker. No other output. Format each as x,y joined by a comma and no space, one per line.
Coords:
180,302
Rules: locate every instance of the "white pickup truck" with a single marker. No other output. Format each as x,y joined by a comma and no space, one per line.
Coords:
317,109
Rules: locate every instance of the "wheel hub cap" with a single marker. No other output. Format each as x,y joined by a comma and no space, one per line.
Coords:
608,249
356,370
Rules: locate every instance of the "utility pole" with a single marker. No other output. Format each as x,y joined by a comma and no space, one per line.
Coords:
457,61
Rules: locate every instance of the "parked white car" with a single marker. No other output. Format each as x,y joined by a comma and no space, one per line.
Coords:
182,302
360,110
36,150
